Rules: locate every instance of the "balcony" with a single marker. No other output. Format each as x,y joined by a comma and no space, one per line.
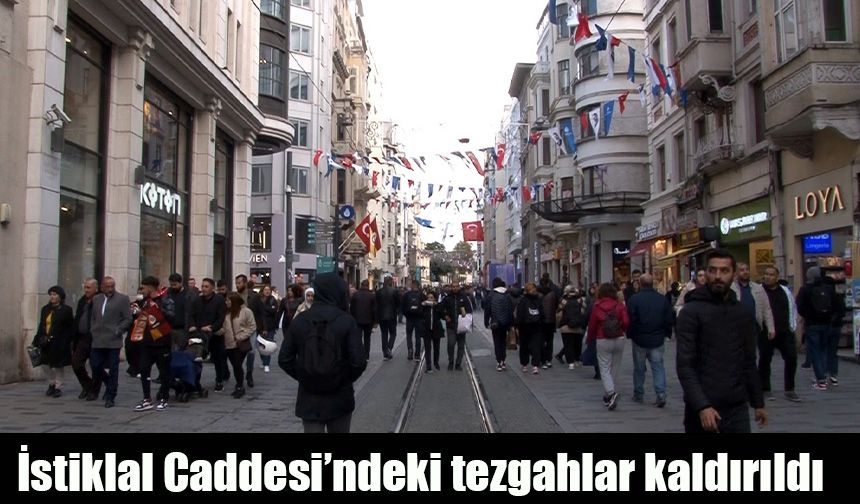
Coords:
540,68
817,89
573,209
717,152
545,230
708,56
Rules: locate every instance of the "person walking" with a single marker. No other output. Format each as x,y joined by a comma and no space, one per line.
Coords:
716,355
269,308
83,341
307,299
785,323
572,322
111,320
529,319
239,328
363,308
175,307
752,297
206,322
387,303
412,309
499,318
54,337
322,350
152,328
695,283
456,305
551,297
651,322
822,309
431,330
606,327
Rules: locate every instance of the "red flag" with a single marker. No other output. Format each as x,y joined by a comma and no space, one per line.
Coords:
375,239
500,157
411,183
659,72
406,163
622,100
363,231
475,162
535,137
317,157
375,178
500,194
547,189
346,162
527,194
583,121
473,231
614,41
583,30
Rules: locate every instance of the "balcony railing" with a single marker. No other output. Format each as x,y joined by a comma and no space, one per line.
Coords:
718,148
573,209
541,67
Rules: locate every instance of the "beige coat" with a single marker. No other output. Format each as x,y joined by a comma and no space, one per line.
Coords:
240,328
763,313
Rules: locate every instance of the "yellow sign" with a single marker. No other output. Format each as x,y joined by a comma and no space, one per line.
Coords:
824,201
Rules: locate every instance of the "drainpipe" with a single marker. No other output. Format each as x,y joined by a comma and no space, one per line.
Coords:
779,217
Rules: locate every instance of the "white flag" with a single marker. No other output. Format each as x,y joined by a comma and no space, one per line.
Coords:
643,96
555,134
594,119
610,57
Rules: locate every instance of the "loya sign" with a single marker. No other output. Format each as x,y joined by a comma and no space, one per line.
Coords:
813,203
160,198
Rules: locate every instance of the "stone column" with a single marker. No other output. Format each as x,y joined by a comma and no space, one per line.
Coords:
242,203
203,189
124,158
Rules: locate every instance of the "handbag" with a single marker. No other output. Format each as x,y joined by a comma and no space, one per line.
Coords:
589,355
243,345
35,354
513,337
464,323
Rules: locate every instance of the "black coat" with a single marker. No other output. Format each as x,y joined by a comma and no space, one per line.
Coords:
806,309
499,309
84,310
363,307
387,304
716,358
525,303
551,299
431,324
207,312
651,318
330,306
57,352
451,306
269,309
412,298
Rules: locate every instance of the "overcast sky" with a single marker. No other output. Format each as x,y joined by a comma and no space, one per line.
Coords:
446,70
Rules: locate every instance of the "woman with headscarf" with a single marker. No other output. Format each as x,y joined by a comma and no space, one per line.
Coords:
54,337
309,300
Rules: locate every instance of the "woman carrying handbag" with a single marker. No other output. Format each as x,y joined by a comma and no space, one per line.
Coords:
54,339
238,329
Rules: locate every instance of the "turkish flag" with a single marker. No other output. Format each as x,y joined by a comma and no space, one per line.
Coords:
317,155
473,231
375,239
475,162
500,156
363,231
527,194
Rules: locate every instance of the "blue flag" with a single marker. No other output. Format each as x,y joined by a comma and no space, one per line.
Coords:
608,109
569,137
684,97
631,68
601,42
668,87
395,183
553,15
429,190
424,222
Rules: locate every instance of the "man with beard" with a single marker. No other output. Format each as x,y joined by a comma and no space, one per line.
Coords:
716,358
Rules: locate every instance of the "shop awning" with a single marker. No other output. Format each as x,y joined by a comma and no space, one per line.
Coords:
641,248
686,252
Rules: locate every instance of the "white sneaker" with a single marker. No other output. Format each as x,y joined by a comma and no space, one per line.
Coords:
265,369
571,366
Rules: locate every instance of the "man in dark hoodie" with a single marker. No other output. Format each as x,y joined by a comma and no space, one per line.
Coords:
414,313
362,306
716,358
322,350
387,303
551,297
205,319
822,309
83,342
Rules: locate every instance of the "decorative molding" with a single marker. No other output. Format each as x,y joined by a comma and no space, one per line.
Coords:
213,105
844,120
724,93
249,137
141,41
814,73
837,74
799,146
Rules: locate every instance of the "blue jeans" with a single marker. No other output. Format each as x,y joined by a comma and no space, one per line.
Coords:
832,347
105,364
817,337
655,357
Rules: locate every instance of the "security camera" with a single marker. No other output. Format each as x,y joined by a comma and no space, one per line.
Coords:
60,114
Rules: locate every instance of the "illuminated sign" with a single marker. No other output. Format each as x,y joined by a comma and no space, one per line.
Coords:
160,198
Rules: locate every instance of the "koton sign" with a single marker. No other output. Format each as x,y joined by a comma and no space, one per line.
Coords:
160,198
813,203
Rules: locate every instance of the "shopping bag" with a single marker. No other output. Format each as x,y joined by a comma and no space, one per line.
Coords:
464,323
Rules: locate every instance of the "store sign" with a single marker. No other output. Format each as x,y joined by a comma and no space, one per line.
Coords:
745,222
259,258
647,231
818,244
691,191
160,198
325,265
620,250
813,203
690,238
547,256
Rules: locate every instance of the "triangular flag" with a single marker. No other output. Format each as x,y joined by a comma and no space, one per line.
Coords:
684,97
375,180
610,62
608,109
652,76
429,190
317,155
622,100
658,71
594,119
643,96
670,85
601,43
583,121
500,161
405,162
411,183
535,137
476,163
631,67
583,30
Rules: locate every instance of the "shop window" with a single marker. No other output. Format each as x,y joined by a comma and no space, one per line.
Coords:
223,239
261,234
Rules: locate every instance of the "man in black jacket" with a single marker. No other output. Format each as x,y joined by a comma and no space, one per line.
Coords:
822,309
326,398
414,313
362,306
387,303
455,305
551,297
651,322
205,319
716,355
175,306
83,342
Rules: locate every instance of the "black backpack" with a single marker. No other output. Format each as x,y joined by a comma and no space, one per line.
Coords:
321,360
612,325
822,300
571,315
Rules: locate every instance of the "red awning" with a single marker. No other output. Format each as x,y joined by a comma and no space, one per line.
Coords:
641,248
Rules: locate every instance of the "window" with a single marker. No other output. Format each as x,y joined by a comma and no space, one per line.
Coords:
274,8
689,18
672,39
261,234
835,21
564,77
300,39
301,3
299,83
261,179
715,15
681,156
544,102
302,129
299,180
786,29
589,63
271,72
237,51
306,240
546,160
341,187
759,110
223,242
229,52
353,80
753,6
660,170
588,7
561,10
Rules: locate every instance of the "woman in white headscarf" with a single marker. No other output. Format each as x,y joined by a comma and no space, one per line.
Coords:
309,300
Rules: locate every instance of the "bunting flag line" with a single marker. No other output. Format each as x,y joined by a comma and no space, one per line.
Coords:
424,223
500,157
583,30
594,119
569,137
622,100
535,138
475,162
600,45
608,109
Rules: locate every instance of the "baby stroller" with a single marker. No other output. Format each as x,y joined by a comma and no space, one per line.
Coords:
186,372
